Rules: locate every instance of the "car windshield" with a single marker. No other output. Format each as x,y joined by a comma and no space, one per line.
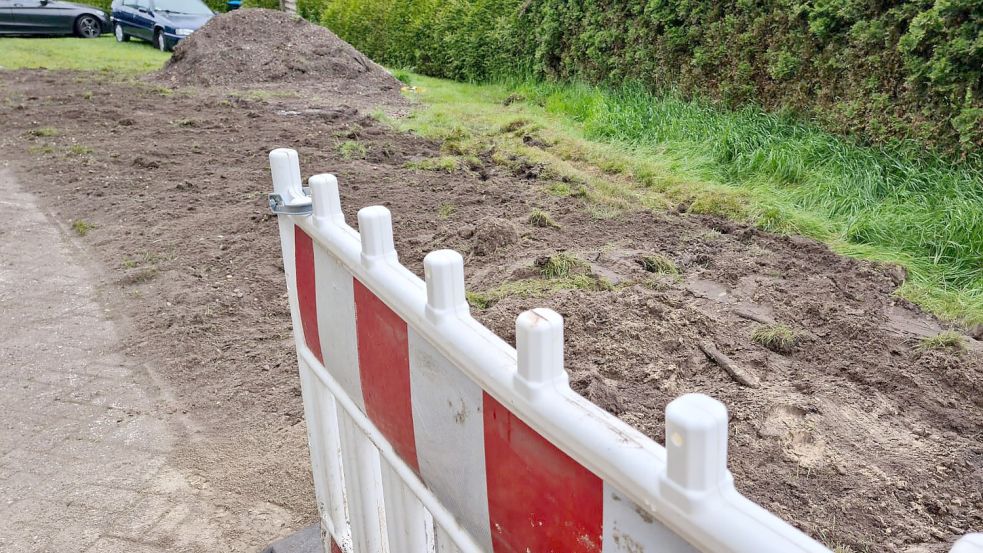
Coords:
192,7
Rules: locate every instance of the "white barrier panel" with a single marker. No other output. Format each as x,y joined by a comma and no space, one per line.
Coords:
428,433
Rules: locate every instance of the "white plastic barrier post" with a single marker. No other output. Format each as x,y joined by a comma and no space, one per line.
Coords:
696,451
539,346
970,543
428,433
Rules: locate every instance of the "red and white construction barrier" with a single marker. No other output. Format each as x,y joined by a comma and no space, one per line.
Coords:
428,433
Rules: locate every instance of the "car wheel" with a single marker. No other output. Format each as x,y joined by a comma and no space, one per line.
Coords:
88,26
160,41
119,34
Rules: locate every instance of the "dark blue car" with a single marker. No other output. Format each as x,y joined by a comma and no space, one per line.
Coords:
162,22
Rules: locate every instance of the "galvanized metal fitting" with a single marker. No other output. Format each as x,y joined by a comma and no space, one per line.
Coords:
280,207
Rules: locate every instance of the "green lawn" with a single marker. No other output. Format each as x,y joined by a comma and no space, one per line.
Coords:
621,149
100,54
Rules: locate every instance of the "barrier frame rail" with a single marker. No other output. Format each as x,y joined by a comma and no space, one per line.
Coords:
383,488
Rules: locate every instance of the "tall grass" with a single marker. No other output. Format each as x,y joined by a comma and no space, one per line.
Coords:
897,198
894,204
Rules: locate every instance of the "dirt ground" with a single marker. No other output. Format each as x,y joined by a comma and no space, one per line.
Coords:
855,434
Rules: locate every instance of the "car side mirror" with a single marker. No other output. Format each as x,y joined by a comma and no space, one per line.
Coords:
44,2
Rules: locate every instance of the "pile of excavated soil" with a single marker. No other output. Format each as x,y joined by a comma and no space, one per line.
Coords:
255,46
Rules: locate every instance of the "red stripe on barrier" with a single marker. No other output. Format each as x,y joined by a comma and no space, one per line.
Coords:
384,368
539,499
335,548
307,290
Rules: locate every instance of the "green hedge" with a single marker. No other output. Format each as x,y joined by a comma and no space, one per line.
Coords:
268,4
103,5
217,6
880,70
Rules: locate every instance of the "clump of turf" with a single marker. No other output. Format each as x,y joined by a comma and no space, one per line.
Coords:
538,287
352,149
560,265
82,227
479,300
79,150
943,340
515,125
777,337
45,132
445,210
542,219
658,263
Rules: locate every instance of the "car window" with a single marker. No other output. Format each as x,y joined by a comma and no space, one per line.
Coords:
6,3
143,4
195,7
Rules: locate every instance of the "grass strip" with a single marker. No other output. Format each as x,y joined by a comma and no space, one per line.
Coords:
625,149
102,54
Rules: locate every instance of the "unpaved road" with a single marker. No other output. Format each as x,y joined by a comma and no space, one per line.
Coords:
87,431
855,436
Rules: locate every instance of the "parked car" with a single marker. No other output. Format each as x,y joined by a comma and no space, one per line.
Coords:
51,17
163,22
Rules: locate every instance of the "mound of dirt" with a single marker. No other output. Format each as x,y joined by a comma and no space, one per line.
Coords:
254,46
493,233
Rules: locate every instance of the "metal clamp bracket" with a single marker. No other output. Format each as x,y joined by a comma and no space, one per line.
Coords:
279,207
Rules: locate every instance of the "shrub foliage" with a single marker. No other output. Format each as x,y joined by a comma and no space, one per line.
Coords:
268,4
880,70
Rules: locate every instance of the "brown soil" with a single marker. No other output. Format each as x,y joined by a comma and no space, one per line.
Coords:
855,436
266,46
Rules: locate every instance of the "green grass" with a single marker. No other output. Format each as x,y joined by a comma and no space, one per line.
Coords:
99,54
403,75
445,210
538,287
658,263
542,219
82,227
79,150
42,149
44,132
943,340
352,149
778,338
626,149
561,265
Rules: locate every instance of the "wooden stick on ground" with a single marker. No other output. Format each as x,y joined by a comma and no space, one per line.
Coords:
740,375
752,316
